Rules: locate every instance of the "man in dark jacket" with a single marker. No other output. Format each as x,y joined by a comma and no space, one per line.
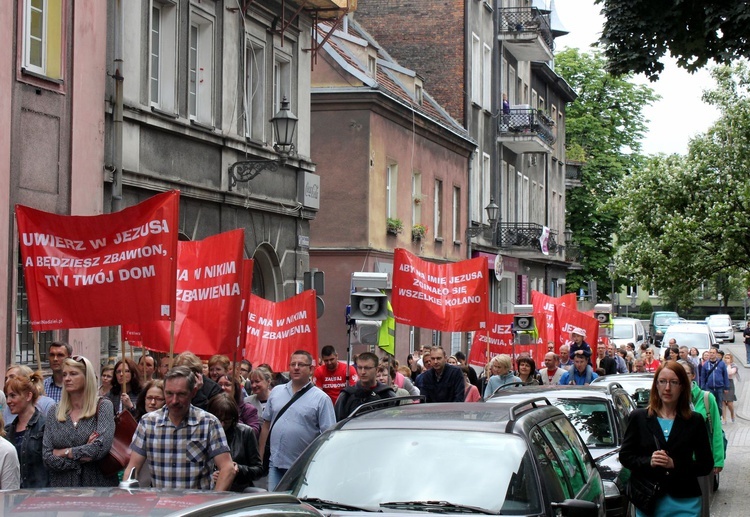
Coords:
442,382
206,387
367,388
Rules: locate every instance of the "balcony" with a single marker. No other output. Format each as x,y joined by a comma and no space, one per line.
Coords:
525,237
526,33
526,130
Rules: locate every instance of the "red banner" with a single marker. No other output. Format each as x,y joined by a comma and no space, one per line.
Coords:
102,270
495,339
247,288
209,298
572,320
447,297
275,330
544,313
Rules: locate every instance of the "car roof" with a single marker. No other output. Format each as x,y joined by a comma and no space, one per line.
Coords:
464,416
558,391
625,320
698,328
172,503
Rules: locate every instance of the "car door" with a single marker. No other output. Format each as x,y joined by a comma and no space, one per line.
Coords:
575,463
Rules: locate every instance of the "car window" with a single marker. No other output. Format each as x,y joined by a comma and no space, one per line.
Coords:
623,408
591,420
549,468
570,461
689,339
622,331
368,467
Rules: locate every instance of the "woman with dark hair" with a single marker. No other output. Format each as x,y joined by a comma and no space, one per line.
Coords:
105,380
527,371
667,444
243,444
126,372
248,414
151,398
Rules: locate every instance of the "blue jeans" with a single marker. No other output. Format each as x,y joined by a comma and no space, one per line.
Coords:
747,351
719,394
274,476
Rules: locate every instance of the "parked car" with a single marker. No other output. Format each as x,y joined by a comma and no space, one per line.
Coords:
658,324
721,324
628,330
698,335
94,502
599,414
427,458
638,385
740,325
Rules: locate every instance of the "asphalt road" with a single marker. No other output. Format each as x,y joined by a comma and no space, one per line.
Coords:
731,499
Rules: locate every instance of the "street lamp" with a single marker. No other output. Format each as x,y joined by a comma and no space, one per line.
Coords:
284,125
493,212
568,234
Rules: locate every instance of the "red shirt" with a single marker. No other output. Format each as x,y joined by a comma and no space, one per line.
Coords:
332,382
652,366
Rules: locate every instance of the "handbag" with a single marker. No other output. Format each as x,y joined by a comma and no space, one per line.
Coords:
642,492
267,448
119,454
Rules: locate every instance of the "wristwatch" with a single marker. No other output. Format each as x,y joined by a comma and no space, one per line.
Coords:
67,452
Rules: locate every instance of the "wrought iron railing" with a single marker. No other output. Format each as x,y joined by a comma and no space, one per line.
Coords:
572,253
525,236
526,19
527,121
573,173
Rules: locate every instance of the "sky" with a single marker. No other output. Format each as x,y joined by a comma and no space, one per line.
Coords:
673,120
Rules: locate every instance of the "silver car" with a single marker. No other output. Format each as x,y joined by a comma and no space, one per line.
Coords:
721,325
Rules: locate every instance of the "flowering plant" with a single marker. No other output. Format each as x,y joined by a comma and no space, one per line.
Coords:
418,231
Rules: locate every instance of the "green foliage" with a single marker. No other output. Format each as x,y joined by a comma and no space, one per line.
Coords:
604,127
646,307
637,34
688,218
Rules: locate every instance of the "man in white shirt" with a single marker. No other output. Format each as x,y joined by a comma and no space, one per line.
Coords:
551,373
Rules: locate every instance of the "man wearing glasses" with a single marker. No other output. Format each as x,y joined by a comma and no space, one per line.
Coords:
292,425
367,389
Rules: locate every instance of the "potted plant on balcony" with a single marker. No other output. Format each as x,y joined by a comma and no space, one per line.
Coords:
394,226
418,231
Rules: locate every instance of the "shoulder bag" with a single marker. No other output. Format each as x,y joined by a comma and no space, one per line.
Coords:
267,448
119,455
642,491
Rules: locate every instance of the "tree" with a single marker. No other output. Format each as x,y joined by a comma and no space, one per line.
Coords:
604,126
687,220
638,33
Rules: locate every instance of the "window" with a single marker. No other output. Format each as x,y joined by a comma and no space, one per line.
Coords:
476,69
200,70
550,470
487,77
533,98
418,93
416,196
391,180
438,209
484,196
23,351
372,64
42,37
282,81
632,289
512,86
504,189
456,220
568,460
255,119
163,56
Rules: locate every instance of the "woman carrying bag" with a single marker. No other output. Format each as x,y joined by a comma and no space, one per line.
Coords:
666,448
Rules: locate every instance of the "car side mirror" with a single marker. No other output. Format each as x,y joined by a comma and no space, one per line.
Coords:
577,508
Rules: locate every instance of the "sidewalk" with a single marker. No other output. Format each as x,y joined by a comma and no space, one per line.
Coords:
731,499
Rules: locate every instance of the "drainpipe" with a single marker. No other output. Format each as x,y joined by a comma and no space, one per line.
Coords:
117,110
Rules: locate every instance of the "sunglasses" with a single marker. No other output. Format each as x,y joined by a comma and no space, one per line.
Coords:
80,359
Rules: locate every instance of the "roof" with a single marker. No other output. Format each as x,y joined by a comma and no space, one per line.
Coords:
387,81
513,395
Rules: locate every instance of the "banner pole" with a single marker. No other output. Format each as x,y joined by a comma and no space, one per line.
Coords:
37,353
348,351
122,360
171,343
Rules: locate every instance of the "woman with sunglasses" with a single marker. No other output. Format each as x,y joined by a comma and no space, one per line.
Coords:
667,444
79,431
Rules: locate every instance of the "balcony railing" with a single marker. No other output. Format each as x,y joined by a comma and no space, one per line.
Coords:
526,19
527,121
525,236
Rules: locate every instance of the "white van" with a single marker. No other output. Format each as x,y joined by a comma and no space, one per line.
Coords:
628,330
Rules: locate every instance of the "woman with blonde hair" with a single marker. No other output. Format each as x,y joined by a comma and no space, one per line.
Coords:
501,374
79,431
26,431
261,383
218,365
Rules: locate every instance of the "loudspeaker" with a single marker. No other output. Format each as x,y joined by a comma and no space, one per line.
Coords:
602,317
525,322
369,304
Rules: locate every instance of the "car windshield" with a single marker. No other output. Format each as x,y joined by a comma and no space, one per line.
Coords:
367,468
591,420
665,319
689,339
623,331
719,321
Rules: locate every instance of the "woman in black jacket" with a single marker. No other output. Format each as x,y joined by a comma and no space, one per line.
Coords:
243,446
26,432
667,443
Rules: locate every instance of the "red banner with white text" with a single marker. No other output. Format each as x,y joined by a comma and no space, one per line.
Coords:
101,270
495,339
247,288
572,320
544,313
447,297
276,329
209,298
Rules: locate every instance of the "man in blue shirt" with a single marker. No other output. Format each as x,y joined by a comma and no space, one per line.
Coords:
714,377
581,374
